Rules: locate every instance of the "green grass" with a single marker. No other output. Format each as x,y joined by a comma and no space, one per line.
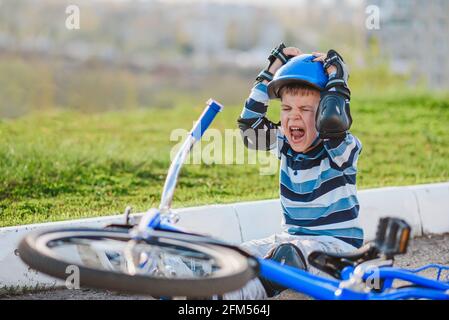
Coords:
62,165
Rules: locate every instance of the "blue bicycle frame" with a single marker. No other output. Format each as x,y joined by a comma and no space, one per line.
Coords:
352,287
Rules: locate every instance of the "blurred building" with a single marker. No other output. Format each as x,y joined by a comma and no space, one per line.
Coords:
414,35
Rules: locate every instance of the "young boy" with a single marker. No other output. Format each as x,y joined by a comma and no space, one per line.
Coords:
318,159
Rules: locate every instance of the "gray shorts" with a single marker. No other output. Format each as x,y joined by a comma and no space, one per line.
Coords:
254,290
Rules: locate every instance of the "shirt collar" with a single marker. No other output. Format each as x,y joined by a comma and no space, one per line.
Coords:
310,151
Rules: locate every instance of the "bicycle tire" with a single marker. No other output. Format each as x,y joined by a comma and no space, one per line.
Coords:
37,250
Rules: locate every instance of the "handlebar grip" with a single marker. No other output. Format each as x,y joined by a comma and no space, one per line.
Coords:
206,118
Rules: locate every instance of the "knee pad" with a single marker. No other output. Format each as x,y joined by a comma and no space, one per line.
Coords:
288,254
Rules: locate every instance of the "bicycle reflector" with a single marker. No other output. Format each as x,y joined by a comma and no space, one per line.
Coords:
392,236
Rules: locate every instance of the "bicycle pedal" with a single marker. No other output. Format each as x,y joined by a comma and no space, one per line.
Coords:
392,236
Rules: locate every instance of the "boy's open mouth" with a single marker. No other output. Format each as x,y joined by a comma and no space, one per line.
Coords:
296,133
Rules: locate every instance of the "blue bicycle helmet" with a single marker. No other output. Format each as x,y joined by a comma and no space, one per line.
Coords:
299,69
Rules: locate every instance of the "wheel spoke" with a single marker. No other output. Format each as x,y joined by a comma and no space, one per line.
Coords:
165,264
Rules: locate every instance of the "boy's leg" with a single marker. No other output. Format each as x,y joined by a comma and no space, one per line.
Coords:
318,243
306,244
254,289
287,254
260,247
268,248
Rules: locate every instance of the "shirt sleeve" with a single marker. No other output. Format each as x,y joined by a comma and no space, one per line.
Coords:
344,152
257,131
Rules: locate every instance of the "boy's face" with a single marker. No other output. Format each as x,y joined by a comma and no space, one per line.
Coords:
298,118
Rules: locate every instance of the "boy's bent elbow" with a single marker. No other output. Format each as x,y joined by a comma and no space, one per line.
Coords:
254,137
248,134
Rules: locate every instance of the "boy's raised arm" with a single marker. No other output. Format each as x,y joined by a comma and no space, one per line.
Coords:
334,116
258,132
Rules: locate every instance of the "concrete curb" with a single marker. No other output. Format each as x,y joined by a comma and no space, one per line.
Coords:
424,207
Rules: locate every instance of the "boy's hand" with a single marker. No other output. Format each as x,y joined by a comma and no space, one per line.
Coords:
321,57
289,52
278,57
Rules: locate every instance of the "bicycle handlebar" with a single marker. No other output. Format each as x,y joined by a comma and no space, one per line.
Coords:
204,121
206,118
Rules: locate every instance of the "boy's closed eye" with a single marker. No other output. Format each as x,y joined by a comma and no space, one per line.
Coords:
306,108
285,107
302,108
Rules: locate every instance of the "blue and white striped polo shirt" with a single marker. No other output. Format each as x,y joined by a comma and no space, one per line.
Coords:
317,188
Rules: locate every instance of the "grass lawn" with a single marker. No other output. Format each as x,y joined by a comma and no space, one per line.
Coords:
62,165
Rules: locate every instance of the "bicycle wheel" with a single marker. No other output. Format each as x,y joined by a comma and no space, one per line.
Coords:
166,264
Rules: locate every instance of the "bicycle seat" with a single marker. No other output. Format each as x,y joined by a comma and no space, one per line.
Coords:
391,238
333,263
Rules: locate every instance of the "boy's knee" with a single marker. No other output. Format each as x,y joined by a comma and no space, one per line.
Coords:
259,247
286,254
